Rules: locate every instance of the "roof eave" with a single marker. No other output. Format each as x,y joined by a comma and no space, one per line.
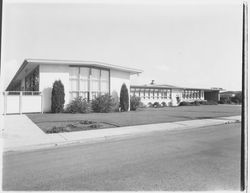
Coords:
78,63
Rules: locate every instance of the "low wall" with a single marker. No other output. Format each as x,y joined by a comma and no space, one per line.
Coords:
21,102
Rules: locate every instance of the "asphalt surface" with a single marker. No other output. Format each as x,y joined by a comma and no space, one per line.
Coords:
197,159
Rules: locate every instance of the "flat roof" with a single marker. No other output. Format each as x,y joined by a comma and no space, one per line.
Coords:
153,86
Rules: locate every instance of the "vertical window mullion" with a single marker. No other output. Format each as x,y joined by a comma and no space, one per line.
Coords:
100,77
89,83
78,81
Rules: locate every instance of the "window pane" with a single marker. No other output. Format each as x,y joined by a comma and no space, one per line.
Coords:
95,94
73,95
83,85
151,93
159,94
105,86
73,85
95,73
84,73
84,95
105,75
95,85
73,73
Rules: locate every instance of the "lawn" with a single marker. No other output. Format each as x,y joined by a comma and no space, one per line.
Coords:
142,116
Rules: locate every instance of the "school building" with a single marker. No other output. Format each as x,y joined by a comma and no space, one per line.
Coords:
31,87
172,95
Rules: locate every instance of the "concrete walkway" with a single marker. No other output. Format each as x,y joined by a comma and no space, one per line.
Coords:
20,133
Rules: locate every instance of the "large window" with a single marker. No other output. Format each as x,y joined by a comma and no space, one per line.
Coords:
104,81
32,80
137,92
84,82
74,82
95,86
88,82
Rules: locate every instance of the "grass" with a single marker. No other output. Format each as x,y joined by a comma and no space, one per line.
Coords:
142,116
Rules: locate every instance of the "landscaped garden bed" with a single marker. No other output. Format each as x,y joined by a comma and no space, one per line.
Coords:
141,116
104,111
81,125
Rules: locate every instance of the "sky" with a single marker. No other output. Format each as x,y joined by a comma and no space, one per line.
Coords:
189,44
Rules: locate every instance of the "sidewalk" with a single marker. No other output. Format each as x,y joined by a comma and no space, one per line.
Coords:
20,133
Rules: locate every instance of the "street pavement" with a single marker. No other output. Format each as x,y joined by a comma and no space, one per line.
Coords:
205,158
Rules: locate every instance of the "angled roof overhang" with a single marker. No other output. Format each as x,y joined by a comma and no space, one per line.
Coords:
30,64
85,63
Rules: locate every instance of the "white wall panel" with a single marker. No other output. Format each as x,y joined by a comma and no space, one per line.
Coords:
31,104
117,78
49,73
12,104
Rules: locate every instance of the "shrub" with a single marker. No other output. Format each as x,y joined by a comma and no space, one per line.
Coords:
86,122
203,102
124,98
115,99
237,98
184,103
156,105
196,103
134,102
150,104
58,130
95,126
225,100
212,103
78,105
235,101
142,105
57,99
163,104
178,100
103,104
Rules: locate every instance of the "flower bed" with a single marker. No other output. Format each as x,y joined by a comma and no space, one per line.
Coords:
83,125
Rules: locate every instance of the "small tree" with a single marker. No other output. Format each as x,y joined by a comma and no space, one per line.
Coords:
57,99
124,98
134,102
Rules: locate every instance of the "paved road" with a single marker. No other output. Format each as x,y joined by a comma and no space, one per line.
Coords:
197,159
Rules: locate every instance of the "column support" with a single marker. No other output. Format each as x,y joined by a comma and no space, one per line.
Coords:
20,102
5,102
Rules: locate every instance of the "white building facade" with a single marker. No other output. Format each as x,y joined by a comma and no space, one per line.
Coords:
80,78
172,95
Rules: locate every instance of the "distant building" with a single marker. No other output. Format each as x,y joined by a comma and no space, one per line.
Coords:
172,95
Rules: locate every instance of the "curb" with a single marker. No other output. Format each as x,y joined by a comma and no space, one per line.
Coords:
176,126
